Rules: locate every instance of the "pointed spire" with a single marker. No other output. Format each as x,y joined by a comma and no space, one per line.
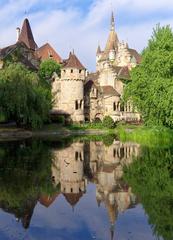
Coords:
112,22
99,49
26,36
112,42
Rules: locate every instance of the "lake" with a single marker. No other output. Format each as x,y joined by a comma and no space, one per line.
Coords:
80,189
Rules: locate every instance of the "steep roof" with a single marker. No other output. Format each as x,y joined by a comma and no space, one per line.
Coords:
135,54
73,62
99,49
112,42
122,72
26,36
4,52
109,91
46,52
73,198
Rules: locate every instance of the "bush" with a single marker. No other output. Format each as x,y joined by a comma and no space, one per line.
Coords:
108,122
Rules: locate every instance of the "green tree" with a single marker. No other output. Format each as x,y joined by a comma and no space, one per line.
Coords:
151,88
108,122
22,97
151,179
47,68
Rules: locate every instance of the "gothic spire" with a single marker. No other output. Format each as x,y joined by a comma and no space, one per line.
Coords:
112,42
112,22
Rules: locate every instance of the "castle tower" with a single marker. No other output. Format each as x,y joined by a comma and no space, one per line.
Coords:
71,170
26,36
73,74
108,56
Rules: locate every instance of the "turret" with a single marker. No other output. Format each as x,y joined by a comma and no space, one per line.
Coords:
73,75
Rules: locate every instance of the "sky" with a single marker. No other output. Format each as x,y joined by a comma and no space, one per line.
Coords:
83,24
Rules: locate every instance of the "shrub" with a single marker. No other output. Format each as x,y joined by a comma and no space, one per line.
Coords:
108,122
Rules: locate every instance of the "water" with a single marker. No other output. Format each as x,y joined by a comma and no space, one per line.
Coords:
82,190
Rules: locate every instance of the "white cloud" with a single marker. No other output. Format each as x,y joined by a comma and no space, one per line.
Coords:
69,28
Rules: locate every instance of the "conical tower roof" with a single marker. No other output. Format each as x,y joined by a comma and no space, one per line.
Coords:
112,42
26,36
73,62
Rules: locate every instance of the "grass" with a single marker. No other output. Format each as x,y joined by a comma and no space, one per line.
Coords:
152,137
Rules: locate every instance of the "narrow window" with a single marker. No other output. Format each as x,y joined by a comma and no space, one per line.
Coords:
114,153
80,104
114,106
76,156
80,71
71,70
71,190
76,105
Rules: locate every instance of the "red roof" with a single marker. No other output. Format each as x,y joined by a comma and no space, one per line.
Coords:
73,62
47,52
26,36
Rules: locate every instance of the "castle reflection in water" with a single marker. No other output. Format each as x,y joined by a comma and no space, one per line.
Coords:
80,163
76,165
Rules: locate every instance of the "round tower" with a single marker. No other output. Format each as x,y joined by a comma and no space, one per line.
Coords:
73,75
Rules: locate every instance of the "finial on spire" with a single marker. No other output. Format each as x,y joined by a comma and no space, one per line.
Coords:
112,22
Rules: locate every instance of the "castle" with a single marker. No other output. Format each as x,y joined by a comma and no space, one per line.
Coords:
78,95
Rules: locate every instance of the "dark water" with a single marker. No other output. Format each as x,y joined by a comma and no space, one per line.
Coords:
81,190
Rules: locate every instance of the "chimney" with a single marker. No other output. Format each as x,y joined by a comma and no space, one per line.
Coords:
18,33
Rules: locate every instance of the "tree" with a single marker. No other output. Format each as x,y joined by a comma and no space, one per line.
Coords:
22,96
47,68
151,88
108,122
151,179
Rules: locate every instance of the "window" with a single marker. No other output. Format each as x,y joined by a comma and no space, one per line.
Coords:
114,153
114,106
76,156
71,70
80,104
80,71
76,105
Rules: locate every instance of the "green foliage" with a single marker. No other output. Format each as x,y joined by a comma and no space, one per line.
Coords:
26,173
154,136
47,68
151,88
22,97
108,122
151,179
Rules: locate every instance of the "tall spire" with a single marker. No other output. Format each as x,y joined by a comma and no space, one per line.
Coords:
112,42
112,22
26,36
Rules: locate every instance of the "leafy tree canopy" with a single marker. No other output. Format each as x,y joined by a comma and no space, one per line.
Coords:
22,96
47,68
151,88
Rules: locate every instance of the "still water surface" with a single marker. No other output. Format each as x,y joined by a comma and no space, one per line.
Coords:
82,190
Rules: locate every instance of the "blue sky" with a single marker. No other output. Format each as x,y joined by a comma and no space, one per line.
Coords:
82,24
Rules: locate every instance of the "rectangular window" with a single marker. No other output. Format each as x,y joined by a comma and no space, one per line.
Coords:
76,105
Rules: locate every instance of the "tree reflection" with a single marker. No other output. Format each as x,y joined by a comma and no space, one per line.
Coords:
151,178
25,173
